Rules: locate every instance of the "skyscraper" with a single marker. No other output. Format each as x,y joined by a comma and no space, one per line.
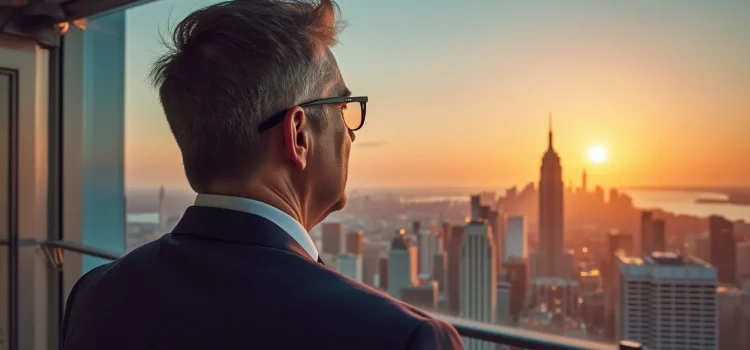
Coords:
497,227
515,238
383,273
350,265
551,254
653,237
355,243
332,232
503,310
475,204
723,248
438,269
584,182
666,302
478,279
734,320
402,265
743,262
416,229
517,274
428,247
454,269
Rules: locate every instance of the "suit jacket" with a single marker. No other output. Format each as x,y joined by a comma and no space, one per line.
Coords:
226,279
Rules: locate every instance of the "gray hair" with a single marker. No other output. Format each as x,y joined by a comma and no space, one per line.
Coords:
231,65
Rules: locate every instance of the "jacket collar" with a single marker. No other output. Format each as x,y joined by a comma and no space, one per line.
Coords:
237,227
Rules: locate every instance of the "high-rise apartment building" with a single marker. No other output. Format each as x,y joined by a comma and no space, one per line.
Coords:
723,248
551,254
478,279
666,302
402,265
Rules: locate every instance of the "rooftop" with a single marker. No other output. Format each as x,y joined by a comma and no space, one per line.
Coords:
665,259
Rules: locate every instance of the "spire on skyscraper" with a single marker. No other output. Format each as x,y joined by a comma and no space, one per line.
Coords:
550,130
584,186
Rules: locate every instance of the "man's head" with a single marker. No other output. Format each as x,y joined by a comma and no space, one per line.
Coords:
234,65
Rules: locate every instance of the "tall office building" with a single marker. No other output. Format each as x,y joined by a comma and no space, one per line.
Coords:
584,182
416,230
666,302
743,262
478,279
371,253
355,243
723,248
734,318
332,236
438,270
383,274
475,204
551,253
653,237
503,307
402,265
617,243
350,265
517,275
496,221
428,247
516,238
454,269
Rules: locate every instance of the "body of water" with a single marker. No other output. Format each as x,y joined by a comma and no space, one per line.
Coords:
681,202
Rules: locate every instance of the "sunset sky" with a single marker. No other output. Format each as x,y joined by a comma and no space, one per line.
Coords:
460,91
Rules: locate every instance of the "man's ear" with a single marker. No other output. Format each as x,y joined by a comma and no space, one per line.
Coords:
296,136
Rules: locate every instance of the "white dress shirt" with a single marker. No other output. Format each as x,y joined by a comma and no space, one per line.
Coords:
275,215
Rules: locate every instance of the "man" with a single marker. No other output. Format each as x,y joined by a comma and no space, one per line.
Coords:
265,123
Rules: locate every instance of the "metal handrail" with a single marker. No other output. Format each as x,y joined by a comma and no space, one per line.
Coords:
82,249
506,335
527,339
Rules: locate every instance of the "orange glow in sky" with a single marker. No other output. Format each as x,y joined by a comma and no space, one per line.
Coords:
663,90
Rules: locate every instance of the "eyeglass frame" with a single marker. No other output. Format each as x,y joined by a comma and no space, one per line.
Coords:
279,117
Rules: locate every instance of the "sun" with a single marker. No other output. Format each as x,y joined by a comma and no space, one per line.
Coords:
597,154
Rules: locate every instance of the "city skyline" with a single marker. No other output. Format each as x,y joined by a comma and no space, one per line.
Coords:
625,77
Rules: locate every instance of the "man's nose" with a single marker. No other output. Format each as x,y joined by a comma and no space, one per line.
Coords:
351,134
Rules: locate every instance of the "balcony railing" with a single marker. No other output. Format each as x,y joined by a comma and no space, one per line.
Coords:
506,335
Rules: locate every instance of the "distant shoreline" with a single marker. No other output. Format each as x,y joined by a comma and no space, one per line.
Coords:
722,201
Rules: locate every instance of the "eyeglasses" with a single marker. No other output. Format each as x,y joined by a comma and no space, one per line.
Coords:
352,111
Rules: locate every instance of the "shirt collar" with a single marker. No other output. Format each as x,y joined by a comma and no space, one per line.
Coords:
275,215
